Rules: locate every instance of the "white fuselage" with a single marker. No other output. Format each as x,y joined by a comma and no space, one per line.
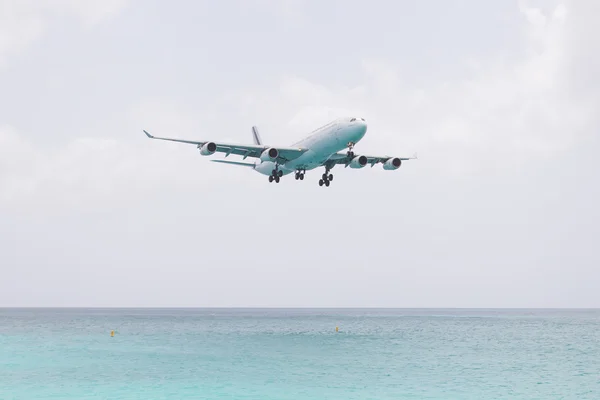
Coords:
321,145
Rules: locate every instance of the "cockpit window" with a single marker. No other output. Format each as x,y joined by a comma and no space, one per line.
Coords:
353,119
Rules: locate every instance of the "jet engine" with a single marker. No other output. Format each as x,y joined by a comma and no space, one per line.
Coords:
358,162
208,149
269,154
392,163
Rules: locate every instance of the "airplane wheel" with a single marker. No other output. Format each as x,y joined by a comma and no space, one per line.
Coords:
321,182
301,177
271,178
297,176
324,177
330,177
280,174
327,183
277,179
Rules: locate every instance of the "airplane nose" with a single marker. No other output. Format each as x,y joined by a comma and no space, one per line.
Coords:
359,126
363,124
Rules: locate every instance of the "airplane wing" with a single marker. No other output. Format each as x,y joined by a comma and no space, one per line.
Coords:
342,158
254,151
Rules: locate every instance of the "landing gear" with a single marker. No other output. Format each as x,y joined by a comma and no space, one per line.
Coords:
276,174
300,175
350,153
326,178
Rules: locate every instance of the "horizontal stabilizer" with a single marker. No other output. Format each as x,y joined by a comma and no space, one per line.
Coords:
243,164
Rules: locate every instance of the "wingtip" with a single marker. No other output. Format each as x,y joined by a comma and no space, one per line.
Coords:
147,134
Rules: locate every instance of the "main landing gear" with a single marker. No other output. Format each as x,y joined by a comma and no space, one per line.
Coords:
300,174
326,178
275,175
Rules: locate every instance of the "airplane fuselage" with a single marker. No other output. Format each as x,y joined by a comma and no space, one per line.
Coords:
321,145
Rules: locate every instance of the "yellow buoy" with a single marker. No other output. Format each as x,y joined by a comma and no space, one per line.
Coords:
112,333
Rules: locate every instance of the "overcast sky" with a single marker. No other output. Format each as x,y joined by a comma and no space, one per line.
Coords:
499,98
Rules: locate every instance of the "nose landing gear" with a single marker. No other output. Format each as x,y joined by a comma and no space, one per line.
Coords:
300,174
350,147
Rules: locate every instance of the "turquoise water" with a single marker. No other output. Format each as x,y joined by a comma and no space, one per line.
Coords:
296,354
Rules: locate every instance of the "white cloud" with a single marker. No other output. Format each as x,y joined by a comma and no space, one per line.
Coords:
89,172
24,21
90,12
17,175
291,11
19,26
94,171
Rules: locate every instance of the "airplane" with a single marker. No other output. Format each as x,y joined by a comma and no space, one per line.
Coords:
322,148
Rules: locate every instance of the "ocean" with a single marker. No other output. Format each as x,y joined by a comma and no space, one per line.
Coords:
281,354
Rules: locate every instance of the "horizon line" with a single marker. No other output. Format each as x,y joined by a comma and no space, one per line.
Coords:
298,308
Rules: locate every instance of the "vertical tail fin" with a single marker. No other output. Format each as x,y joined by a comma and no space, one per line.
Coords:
256,136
